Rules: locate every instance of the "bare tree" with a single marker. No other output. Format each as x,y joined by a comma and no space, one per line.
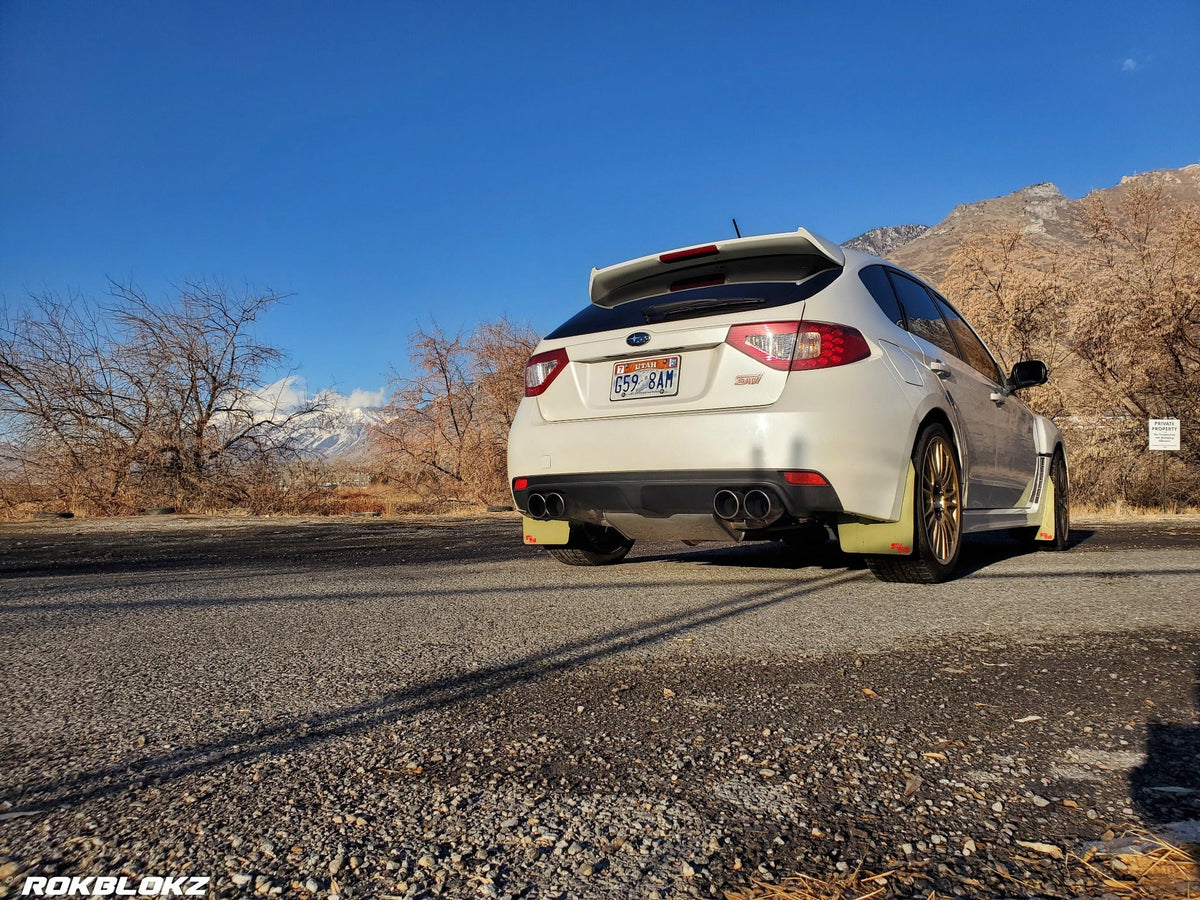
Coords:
1018,297
72,402
1138,325
137,403
445,430
1117,319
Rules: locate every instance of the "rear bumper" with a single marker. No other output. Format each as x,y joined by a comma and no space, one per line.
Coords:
661,495
838,422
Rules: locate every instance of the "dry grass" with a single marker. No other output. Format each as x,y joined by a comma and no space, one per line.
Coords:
312,499
1158,871
856,886
389,500
1123,512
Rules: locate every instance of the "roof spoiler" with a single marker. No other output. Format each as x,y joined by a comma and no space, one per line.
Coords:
605,286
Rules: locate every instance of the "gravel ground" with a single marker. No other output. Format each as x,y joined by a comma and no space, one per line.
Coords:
360,708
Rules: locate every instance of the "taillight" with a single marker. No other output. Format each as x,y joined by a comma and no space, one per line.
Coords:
771,343
799,345
542,369
519,484
823,346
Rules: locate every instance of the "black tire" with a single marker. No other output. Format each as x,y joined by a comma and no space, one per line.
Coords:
592,545
937,515
1062,511
1062,504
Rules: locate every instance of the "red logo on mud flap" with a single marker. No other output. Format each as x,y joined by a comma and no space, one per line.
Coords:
530,539
901,548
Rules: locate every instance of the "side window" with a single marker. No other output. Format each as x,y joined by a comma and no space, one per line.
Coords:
924,320
876,281
974,353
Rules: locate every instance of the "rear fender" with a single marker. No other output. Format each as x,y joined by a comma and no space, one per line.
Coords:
1046,436
891,538
927,411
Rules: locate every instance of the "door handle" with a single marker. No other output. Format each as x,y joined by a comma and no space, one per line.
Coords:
940,369
997,397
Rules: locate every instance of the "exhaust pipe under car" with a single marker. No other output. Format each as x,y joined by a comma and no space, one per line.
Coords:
758,508
727,505
758,505
546,506
762,508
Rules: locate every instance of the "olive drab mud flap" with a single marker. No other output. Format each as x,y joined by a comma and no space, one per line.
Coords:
1045,530
892,538
552,533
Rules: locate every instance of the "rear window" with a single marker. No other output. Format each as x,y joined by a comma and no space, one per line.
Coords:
692,304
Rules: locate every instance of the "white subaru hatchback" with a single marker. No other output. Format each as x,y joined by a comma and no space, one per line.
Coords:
779,387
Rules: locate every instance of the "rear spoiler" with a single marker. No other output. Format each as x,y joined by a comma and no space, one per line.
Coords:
617,284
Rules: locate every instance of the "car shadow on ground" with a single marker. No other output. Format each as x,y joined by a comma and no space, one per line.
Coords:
979,552
1166,787
436,693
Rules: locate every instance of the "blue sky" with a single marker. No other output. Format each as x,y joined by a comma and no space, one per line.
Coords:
393,163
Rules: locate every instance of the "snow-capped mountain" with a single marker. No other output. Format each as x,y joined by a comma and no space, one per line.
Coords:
337,433
340,429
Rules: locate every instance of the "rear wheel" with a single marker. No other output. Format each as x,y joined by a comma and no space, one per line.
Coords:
1062,511
592,545
937,515
1062,504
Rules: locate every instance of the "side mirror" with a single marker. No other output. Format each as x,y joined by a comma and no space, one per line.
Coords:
1029,373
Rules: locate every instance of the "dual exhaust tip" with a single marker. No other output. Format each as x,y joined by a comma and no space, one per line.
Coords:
757,506
546,506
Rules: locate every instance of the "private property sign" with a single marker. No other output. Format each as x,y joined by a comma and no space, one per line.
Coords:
1164,434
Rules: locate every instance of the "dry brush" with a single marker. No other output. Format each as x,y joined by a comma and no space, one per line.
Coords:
108,409
444,434
1117,319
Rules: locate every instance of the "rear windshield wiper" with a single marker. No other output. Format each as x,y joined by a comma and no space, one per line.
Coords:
686,309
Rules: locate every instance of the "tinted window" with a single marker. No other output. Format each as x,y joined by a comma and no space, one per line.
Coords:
922,314
974,353
876,281
693,304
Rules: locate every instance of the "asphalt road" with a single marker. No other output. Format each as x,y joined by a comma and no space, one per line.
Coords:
364,707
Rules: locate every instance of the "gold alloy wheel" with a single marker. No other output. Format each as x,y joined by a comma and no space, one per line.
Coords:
941,499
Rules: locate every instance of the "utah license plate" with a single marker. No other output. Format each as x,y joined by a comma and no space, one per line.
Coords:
657,377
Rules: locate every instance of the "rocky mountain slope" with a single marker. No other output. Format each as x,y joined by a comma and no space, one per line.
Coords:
886,240
1041,211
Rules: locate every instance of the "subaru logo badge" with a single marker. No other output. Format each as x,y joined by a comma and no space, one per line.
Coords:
637,339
